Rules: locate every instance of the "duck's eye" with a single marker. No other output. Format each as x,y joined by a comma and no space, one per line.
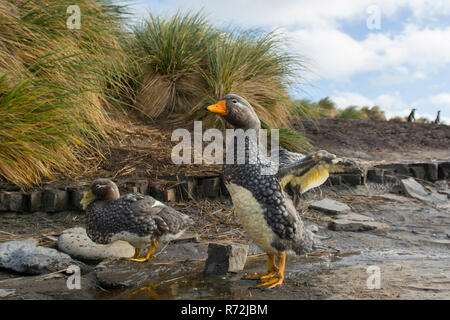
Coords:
234,101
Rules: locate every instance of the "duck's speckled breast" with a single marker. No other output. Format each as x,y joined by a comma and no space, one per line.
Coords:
251,217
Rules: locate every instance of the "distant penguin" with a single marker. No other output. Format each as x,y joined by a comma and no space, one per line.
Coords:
411,117
438,118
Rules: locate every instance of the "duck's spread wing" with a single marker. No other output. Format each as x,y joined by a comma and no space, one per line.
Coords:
312,170
166,219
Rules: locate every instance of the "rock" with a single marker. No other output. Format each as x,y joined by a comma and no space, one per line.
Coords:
78,245
210,187
397,168
112,274
55,200
253,249
444,244
390,179
35,201
133,186
313,228
354,222
13,201
413,189
330,206
425,171
352,179
4,202
335,180
182,251
7,292
171,195
418,171
375,175
75,196
431,170
26,257
225,257
444,170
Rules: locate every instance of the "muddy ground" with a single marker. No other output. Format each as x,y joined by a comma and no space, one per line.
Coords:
412,254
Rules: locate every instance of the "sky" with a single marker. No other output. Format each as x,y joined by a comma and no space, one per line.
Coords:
394,54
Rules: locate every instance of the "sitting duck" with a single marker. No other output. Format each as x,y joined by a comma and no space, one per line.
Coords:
140,220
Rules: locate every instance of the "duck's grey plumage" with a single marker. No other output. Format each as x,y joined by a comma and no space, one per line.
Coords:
134,218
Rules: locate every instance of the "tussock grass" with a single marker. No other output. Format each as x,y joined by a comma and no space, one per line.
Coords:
351,112
188,64
55,84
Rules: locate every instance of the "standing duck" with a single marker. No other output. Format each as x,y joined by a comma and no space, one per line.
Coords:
140,220
267,215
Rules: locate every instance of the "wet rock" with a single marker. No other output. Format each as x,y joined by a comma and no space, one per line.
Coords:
253,249
4,202
396,168
35,201
13,201
55,200
210,187
133,186
418,171
444,170
112,274
7,292
375,175
27,257
444,244
352,179
182,251
414,189
335,180
330,206
76,195
225,257
78,245
313,228
354,222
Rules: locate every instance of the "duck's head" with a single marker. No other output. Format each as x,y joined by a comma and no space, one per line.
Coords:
101,189
236,111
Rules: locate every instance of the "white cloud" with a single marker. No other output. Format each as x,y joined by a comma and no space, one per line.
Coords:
345,99
440,99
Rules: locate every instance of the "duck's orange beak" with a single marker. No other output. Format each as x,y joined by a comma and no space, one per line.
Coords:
219,108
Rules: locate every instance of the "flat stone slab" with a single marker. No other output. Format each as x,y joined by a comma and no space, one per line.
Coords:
414,189
78,245
225,257
355,222
330,206
26,257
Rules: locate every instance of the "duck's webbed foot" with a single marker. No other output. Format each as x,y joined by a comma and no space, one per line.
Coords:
277,279
272,269
148,256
